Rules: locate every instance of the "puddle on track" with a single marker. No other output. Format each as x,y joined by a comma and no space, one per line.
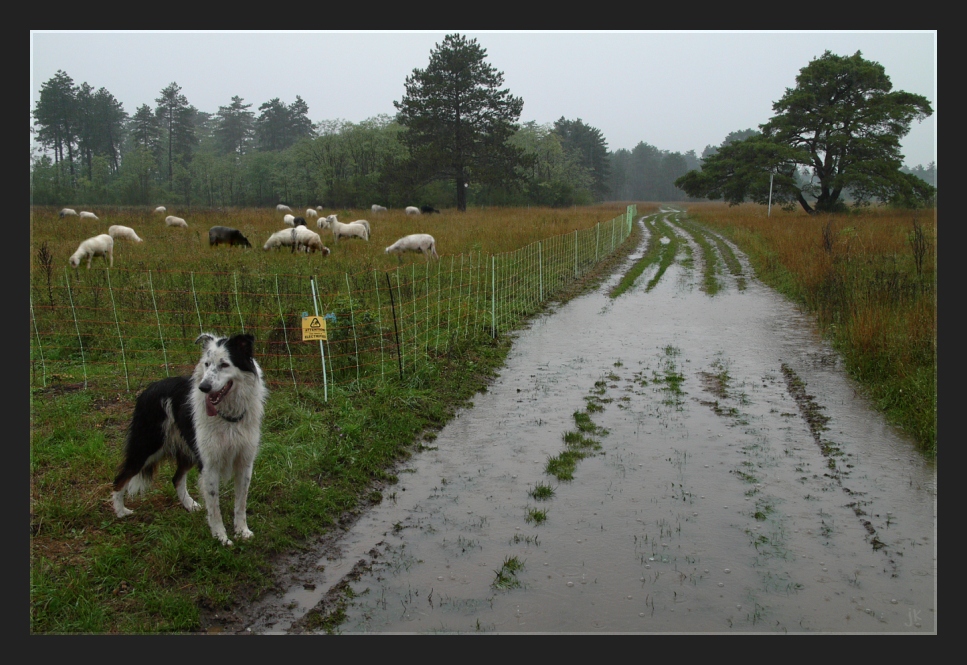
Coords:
710,510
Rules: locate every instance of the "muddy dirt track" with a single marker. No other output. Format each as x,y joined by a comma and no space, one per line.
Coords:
741,484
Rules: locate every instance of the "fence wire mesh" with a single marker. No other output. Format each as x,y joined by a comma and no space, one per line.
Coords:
123,329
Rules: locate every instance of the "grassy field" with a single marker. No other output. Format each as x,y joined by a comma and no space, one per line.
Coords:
383,313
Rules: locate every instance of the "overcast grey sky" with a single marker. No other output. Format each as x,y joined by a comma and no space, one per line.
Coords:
677,91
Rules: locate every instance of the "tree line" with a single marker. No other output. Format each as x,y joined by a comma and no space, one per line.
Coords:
455,140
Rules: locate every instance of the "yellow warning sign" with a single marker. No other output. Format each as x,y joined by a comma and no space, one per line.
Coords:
313,328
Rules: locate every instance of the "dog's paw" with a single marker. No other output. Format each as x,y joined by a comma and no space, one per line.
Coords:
244,534
123,511
225,541
192,506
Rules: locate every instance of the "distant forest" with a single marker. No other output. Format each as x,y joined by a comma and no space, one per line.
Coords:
87,150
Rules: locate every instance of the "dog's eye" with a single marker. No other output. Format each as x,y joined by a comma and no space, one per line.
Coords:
223,365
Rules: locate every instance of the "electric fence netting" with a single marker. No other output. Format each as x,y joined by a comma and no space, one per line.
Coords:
122,329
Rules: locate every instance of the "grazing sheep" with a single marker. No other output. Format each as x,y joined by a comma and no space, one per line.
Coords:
412,210
87,215
289,220
225,235
307,240
378,208
363,222
417,242
357,229
325,222
161,209
283,238
311,212
283,208
296,238
68,212
102,245
429,209
171,220
117,231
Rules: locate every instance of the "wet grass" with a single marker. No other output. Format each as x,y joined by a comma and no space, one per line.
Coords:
580,442
670,377
562,466
710,283
715,249
655,252
506,575
536,515
542,492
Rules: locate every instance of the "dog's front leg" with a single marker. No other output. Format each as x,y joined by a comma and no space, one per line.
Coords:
209,487
243,478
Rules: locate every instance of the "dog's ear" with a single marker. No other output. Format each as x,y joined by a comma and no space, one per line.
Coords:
241,348
204,339
244,344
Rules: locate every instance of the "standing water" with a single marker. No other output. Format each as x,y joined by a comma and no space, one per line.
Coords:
739,484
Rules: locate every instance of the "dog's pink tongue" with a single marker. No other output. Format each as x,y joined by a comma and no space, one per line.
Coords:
209,407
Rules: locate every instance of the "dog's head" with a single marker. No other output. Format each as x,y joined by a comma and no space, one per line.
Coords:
223,359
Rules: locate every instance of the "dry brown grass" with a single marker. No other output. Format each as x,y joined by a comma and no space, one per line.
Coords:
486,230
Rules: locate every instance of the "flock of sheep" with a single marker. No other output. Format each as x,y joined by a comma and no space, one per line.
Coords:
298,238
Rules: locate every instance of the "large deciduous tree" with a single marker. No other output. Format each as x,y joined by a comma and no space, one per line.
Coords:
458,119
842,122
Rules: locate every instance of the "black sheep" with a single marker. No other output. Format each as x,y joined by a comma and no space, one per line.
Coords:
218,235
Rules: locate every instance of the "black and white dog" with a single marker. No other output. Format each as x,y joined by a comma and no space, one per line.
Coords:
211,419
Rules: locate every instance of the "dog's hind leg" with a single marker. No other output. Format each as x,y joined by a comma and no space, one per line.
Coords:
135,476
243,478
209,488
181,484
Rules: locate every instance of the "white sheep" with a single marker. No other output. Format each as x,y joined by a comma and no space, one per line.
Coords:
296,238
283,238
413,210
102,245
363,222
171,220
378,208
161,209
117,231
68,212
357,229
87,215
288,220
325,222
283,208
311,212
416,242
308,240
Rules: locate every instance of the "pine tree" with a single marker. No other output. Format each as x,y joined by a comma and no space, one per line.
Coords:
458,119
